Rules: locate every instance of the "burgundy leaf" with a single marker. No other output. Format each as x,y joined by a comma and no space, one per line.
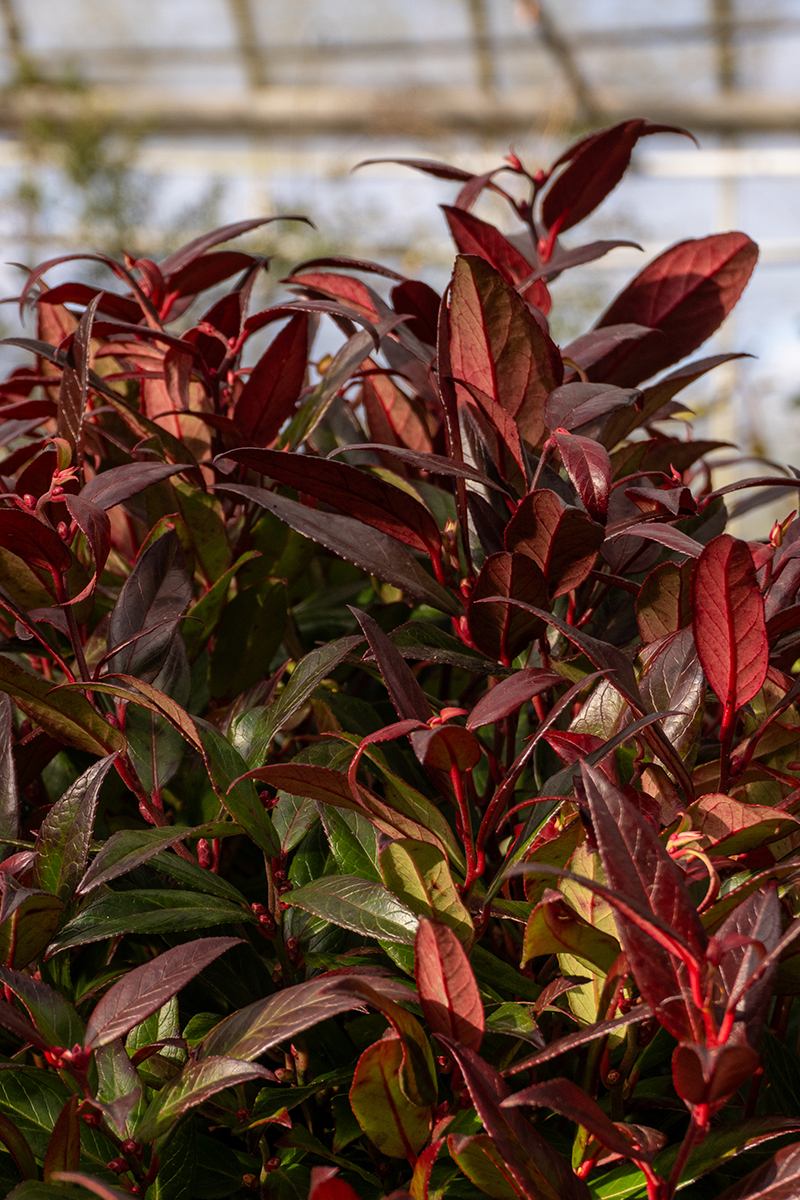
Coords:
74,388
637,866
650,531
592,347
562,259
563,541
728,621
575,404
145,989
406,694
504,433
473,236
684,295
582,1037
498,629
354,264
120,307
118,484
187,254
372,551
446,747
422,303
326,1185
207,271
93,521
757,917
496,344
448,993
153,598
435,464
712,1074
357,493
509,694
354,292
595,166
426,165
64,1147
589,468
393,418
30,539
565,1097
776,1179
269,397
540,1171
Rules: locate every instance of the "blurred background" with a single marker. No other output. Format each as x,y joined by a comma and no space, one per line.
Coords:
136,124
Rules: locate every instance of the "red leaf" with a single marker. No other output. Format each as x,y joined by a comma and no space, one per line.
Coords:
728,621
207,271
32,540
637,867
473,236
591,347
180,259
711,1075
446,747
563,541
507,696
596,165
589,468
345,288
565,1097
496,344
276,381
576,404
500,630
145,989
326,1185
777,1179
357,493
422,302
448,993
120,483
684,295
112,305
93,521
540,1170
64,1147
392,416
406,694
426,165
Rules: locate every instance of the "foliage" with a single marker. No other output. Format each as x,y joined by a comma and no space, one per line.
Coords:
397,783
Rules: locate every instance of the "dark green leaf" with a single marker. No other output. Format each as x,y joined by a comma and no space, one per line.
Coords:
64,835
66,716
195,1083
146,911
241,800
365,907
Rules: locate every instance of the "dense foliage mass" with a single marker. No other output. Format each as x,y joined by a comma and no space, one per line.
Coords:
397,755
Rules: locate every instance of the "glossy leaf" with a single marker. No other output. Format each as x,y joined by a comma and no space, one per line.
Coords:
728,621
145,989
238,795
17,1146
33,541
563,542
196,1083
480,1161
144,619
589,469
127,849
594,167
539,1171
65,834
66,716
53,1016
500,630
733,827
396,1126
373,551
662,606
406,694
576,404
365,907
555,928
637,866
474,236
146,911
496,344
683,295
509,694
448,993
64,1147
564,1097
274,385
417,874
9,801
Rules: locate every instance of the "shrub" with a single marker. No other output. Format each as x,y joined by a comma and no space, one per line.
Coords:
397,752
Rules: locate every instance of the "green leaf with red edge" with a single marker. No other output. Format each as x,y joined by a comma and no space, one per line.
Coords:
496,344
145,989
448,992
31,540
474,236
683,295
65,834
68,717
64,1147
566,1098
369,549
637,866
16,1144
663,606
417,874
195,1084
589,468
554,927
733,827
53,1016
539,1171
594,167
396,1126
483,1165
728,621
273,388
497,629
563,542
